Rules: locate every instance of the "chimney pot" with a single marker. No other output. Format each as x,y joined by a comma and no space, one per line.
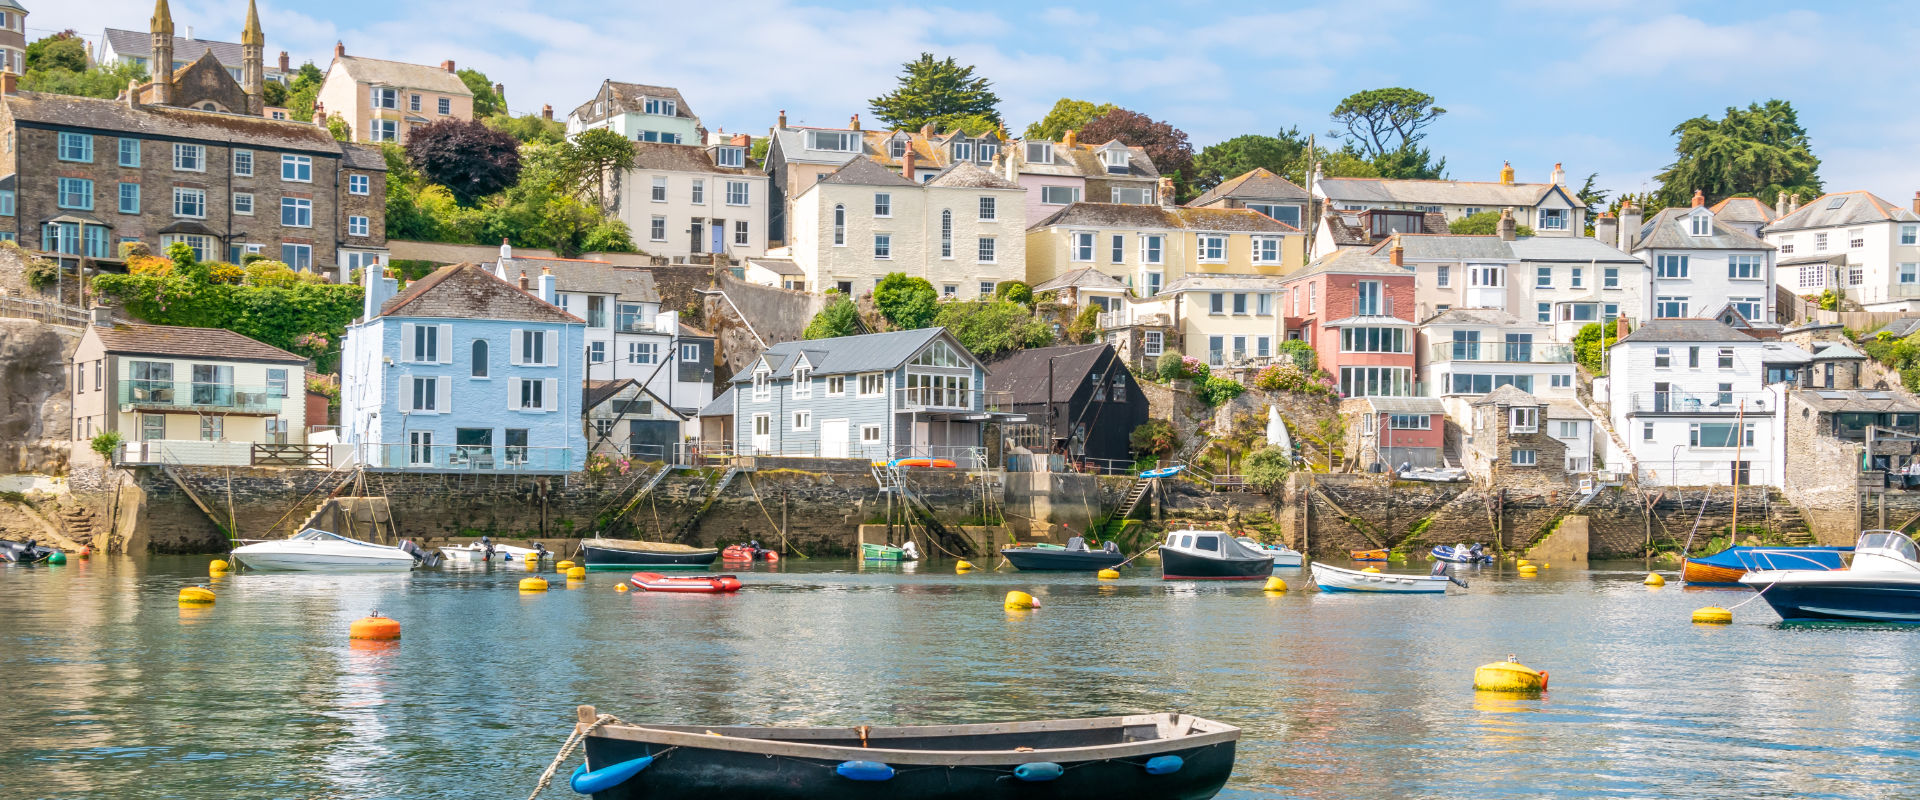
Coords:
524,283
447,65
1071,139
1398,255
546,111
339,49
907,162
1916,202
1699,198
855,122
1506,173
286,65
9,82
783,118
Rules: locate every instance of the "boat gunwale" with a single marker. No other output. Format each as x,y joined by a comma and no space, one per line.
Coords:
1178,732
1364,575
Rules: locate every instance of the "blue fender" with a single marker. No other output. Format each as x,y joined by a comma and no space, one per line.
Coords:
606,778
1038,771
864,771
1164,765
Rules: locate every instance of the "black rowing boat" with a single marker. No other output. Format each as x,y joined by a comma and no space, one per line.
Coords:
626,554
1171,756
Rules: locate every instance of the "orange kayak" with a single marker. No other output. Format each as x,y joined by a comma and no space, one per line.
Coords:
1369,555
925,462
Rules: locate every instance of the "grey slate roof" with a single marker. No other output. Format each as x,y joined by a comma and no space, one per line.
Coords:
1448,247
1349,261
1784,353
593,393
1900,328
1084,278
1856,208
470,291
1667,230
1491,195
182,342
1158,217
872,352
186,51
631,284
1478,316
1508,395
1083,160
1561,408
363,157
400,74
863,171
623,97
1863,401
1575,249
1224,282
1405,405
72,112
793,146
721,406
966,175
1742,209
1259,184
778,266
1686,330
683,158
1024,374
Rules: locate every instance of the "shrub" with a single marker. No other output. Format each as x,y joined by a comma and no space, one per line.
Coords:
987,327
839,318
1085,325
223,272
1195,368
1590,346
1155,438
1216,390
1016,291
906,302
1267,468
1302,354
105,443
1167,368
1288,377
41,272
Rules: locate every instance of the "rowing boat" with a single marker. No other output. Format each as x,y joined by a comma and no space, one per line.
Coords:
630,553
1339,579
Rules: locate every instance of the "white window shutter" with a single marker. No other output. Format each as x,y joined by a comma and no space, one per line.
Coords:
446,344
513,393
513,347
551,402
550,352
406,342
445,388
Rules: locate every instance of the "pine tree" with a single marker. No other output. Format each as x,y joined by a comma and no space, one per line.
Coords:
1758,151
938,91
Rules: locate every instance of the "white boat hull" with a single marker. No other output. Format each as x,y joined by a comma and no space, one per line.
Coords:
319,551
469,554
1336,579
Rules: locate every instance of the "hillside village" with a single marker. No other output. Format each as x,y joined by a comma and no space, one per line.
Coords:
369,273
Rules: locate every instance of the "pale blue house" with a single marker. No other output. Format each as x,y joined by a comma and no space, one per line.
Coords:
463,372
901,394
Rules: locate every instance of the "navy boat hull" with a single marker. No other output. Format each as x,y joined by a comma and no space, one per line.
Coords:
620,558
1037,560
1856,603
1179,566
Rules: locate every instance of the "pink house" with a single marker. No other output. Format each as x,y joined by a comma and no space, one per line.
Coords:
1356,310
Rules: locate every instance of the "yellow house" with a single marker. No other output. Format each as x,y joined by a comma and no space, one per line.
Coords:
1147,247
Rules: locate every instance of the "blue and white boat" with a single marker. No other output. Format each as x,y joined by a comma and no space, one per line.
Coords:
1339,579
1881,585
1462,554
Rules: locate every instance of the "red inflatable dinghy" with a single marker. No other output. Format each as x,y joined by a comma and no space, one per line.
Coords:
696,584
746,553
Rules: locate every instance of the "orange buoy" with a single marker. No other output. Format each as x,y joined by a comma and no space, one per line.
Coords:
374,627
86,551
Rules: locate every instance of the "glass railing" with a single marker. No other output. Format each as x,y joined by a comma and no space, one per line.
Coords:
467,458
1507,352
200,396
1702,402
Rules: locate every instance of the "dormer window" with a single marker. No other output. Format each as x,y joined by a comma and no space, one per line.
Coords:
1039,152
835,141
897,149
1117,160
599,107
664,108
987,150
730,156
1702,224
963,150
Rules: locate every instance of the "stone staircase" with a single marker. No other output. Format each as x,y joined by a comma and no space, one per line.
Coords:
81,525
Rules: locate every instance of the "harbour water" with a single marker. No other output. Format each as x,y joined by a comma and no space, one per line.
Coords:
113,691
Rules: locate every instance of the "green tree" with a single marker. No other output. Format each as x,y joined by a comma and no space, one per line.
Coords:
1590,346
1485,223
104,83
302,90
1155,437
1758,151
1267,468
1067,114
1380,121
1341,163
1593,198
1016,291
597,154
906,302
839,318
758,152
1281,155
274,94
62,50
989,327
939,91
529,128
106,443
337,128
1410,163
486,102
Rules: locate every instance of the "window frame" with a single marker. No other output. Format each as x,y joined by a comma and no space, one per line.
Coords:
189,157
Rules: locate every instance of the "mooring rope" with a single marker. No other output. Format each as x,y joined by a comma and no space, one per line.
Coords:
566,750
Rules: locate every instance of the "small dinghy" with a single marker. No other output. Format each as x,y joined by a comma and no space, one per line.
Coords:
27,552
749,552
1163,472
1284,557
1462,554
1192,555
1164,756
630,553
1369,555
1339,579
1075,557
884,552
485,551
1726,567
685,584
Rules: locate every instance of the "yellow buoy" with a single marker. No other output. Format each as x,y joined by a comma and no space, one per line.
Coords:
196,596
1108,574
1371,569
1713,615
1546,566
375,628
218,567
620,587
533,584
576,573
1529,570
1509,676
1524,562
962,565
1020,601
1275,584
1654,579
563,566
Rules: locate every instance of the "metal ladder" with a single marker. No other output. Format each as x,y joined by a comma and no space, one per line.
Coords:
1135,493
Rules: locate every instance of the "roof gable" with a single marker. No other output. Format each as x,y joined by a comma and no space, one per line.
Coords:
872,352
400,74
469,291
1024,374
1853,208
864,171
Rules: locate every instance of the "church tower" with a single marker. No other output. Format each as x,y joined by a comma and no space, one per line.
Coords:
253,68
161,64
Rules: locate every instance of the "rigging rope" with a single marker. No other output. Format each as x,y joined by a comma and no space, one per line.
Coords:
566,750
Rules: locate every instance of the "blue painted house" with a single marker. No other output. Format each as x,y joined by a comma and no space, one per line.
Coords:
901,394
465,372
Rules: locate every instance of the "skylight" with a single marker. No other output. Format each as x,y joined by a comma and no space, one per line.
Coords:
1837,202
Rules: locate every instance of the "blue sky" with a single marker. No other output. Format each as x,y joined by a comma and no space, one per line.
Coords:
1595,86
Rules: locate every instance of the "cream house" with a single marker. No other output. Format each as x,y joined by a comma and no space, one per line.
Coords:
382,100
962,229
1228,320
189,395
1852,242
1148,247
687,201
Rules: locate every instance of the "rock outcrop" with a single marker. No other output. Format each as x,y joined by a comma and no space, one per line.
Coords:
35,414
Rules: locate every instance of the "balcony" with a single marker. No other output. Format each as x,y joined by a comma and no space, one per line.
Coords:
1501,352
481,459
927,398
184,396
1709,403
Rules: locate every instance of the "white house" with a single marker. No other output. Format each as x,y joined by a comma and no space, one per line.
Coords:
1468,352
1702,267
1690,398
1854,242
688,200
639,112
1561,283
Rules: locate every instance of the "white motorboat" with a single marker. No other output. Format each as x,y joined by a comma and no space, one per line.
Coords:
1338,579
1284,557
314,549
1881,585
485,551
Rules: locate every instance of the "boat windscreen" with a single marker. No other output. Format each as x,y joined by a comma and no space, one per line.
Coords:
315,534
1889,540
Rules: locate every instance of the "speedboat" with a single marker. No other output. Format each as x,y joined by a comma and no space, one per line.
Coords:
629,553
1725,567
1284,557
315,549
1882,585
27,552
1075,557
1339,579
485,551
1462,554
1191,555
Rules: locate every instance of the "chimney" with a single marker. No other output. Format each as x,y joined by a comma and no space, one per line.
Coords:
741,140
854,123
506,249
379,289
1699,199
1606,228
1916,202
1629,225
1070,140
286,65
1793,202
100,316
1508,227
906,163
1559,177
546,287
1780,204
339,49
1398,255
1506,173
1012,166
1166,191
500,90
927,130
319,114
524,285
447,65
189,33
783,119
1620,329
546,111
9,82
131,95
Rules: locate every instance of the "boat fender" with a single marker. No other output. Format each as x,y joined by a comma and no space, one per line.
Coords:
605,778
1038,771
57,558
1164,765
864,771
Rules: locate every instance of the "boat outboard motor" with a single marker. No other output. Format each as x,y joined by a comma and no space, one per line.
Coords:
487,543
908,551
425,558
1110,547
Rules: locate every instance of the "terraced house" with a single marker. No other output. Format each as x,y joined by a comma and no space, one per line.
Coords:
381,101
1401,206
1148,247
640,112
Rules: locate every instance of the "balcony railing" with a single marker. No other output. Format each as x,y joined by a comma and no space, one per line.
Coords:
190,396
1703,403
1501,352
487,459
927,398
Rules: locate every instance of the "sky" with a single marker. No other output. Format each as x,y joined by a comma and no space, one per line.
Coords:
1596,86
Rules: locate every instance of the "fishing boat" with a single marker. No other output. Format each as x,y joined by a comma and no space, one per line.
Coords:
1075,557
27,552
1284,557
485,551
886,552
1462,554
1369,555
630,553
317,550
685,584
1168,756
1191,555
1340,579
1882,585
1725,567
